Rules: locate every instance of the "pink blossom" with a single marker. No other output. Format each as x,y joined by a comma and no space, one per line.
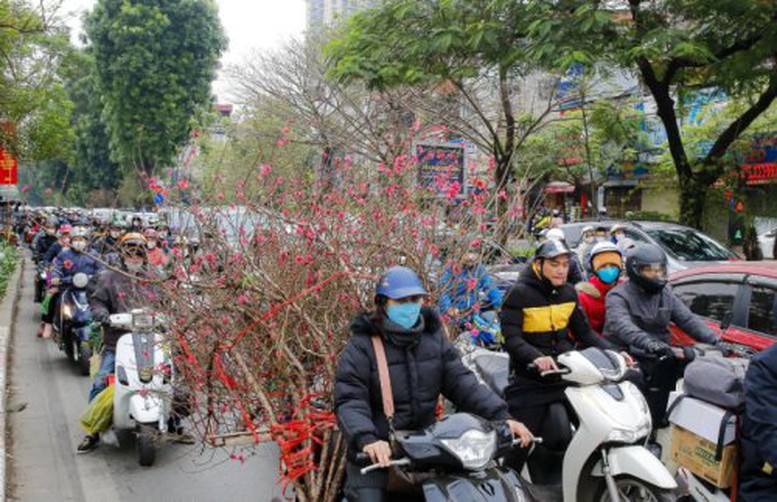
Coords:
265,169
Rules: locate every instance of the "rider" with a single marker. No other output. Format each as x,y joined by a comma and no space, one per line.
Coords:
423,364
587,242
606,262
108,243
50,303
638,314
45,238
540,320
156,257
117,291
575,274
462,284
758,473
76,258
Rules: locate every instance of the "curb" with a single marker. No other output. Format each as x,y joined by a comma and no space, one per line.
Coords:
7,314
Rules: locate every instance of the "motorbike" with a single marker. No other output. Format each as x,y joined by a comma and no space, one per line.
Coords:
462,451
41,276
594,448
142,401
73,322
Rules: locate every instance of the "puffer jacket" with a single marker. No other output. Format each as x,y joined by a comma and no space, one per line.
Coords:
758,474
422,365
640,321
592,295
116,292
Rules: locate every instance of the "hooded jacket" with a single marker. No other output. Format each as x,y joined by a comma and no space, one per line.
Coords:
70,262
422,365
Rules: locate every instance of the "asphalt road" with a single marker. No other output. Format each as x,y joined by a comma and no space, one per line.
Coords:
46,397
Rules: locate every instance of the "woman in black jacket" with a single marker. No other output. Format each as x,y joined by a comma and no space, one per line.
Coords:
422,365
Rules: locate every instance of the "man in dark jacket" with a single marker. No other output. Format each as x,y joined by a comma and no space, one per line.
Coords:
758,471
540,320
638,314
422,365
117,291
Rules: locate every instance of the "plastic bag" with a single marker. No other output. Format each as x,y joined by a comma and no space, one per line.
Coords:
99,415
44,305
94,364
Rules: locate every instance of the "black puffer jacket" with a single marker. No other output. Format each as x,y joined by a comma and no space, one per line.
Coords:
422,364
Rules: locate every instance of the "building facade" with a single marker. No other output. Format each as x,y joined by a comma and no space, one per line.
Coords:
323,13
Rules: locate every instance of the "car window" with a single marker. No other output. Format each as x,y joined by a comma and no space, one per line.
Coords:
714,299
689,245
634,235
763,310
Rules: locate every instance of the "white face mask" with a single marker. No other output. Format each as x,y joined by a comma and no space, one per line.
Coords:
134,266
79,245
115,234
588,239
151,244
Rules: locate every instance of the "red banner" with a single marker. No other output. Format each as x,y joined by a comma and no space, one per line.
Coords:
9,168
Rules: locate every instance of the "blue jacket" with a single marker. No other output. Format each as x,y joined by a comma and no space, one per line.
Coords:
68,263
758,474
455,289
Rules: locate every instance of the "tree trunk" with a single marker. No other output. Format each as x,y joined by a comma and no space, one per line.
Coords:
692,198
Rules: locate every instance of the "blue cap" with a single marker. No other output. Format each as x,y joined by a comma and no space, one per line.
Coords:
400,282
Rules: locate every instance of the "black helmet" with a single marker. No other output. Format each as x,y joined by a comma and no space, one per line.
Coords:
551,248
642,257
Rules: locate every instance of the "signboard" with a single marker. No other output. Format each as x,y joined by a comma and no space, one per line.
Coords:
441,167
9,168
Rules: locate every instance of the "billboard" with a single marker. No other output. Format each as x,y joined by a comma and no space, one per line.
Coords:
441,167
9,168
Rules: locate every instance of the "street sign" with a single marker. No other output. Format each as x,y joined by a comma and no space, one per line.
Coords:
441,167
9,168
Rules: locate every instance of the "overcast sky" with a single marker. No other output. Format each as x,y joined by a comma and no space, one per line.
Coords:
249,24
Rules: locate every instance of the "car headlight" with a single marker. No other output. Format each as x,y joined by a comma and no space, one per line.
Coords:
474,448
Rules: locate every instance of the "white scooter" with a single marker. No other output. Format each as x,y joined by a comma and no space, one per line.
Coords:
609,423
144,373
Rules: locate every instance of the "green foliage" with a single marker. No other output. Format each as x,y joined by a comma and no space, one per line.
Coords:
155,63
648,216
8,262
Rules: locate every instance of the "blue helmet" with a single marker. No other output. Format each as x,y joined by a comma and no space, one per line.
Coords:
400,282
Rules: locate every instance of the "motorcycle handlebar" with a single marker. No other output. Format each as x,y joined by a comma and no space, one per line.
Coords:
374,467
560,371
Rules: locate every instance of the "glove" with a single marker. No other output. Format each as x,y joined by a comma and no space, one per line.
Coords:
660,349
689,354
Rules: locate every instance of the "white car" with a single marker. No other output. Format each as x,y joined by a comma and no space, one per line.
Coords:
766,241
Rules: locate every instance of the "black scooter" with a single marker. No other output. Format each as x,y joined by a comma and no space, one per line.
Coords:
460,452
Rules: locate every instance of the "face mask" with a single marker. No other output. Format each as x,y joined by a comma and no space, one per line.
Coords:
608,275
115,234
79,245
134,266
589,239
151,245
619,236
599,238
404,314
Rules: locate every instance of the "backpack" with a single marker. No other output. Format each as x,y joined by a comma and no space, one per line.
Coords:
717,380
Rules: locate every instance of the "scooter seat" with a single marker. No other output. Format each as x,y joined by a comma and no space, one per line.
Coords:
494,369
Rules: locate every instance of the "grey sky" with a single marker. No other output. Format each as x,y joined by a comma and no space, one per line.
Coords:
249,24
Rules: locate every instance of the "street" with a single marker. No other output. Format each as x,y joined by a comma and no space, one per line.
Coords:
46,397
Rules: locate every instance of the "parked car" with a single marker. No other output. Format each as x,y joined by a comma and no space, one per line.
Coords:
738,299
685,247
766,241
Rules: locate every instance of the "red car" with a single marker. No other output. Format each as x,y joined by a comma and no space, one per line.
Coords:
739,299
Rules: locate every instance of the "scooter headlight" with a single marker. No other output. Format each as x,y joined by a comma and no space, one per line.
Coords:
642,428
142,321
67,311
474,448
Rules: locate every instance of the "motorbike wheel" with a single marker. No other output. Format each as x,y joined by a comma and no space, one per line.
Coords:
634,490
70,346
146,445
84,356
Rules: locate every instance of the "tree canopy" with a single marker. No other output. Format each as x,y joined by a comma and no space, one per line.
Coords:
155,62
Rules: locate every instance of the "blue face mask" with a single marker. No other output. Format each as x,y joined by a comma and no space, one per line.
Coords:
404,314
608,275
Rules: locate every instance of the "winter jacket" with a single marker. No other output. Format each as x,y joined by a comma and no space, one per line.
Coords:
758,475
462,289
69,263
422,365
592,294
538,320
117,292
52,252
640,321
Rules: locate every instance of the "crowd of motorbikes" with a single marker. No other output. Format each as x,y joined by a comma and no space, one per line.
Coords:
141,388
595,448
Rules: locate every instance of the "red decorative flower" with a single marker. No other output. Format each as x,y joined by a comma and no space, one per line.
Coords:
68,264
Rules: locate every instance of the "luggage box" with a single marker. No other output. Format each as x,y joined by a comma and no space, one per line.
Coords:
697,454
701,418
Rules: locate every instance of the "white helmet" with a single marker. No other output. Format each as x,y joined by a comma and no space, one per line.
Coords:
555,234
79,232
